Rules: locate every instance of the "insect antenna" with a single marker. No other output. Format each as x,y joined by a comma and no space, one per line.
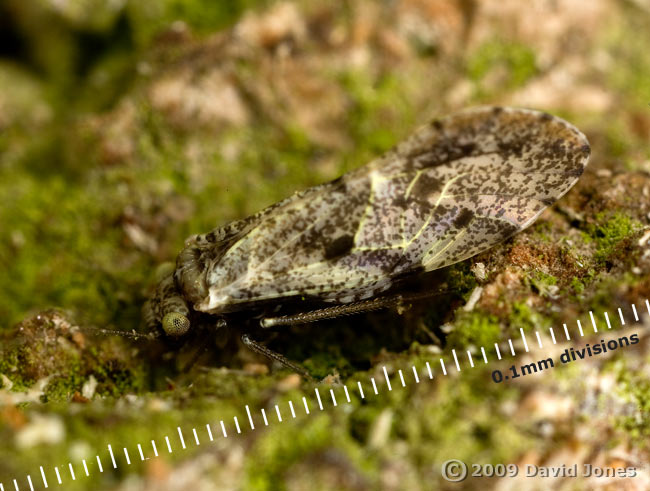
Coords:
125,334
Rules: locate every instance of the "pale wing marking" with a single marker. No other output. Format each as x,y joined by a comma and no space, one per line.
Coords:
402,217
374,178
451,241
413,181
435,207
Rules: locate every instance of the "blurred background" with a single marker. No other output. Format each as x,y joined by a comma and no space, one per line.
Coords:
126,126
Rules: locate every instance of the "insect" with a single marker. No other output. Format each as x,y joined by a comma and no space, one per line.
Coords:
453,189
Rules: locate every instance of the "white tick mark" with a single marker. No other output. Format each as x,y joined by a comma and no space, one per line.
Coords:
304,401
43,475
469,355
180,435
453,352
387,379
415,375
110,451
523,336
196,437
207,427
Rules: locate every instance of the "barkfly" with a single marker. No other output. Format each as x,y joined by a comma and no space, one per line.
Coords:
455,188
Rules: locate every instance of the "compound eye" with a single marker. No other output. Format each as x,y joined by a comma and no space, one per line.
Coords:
175,324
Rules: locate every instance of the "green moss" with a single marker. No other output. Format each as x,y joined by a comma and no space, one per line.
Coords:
618,140
577,285
203,16
62,387
80,267
523,316
378,113
635,388
517,60
609,287
461,280
322,364
543,229
475,328
44,346
64,243
542,283
464,419
608,232
626,42
304,442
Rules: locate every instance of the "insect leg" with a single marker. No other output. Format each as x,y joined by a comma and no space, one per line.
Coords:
269,353
346,309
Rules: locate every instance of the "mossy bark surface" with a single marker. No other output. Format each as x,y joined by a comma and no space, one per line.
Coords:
125,129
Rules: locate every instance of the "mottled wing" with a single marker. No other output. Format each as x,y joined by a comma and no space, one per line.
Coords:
469,181
453,189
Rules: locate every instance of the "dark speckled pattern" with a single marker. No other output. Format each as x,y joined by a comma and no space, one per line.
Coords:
455,188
